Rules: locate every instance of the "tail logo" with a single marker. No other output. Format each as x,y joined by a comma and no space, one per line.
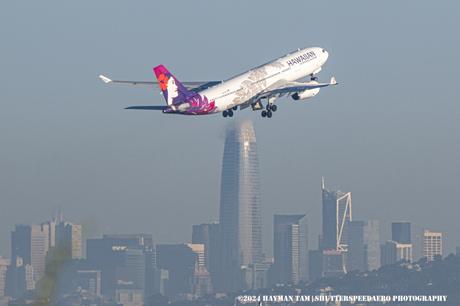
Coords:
168,85
178,97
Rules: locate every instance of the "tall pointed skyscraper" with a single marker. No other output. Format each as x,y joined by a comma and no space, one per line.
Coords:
336,219
240,215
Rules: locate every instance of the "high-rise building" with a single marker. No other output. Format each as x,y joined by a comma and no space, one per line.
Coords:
122,260
4,263
19,278
363,246
39,246
337,214
315,265
30,243
69,237
209,235
400,232
393,252
89,280
152,285
432,245
20,244
333,263
180,261
240,207
290,249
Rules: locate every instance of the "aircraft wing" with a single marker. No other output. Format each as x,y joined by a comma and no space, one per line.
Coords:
293,87
193,85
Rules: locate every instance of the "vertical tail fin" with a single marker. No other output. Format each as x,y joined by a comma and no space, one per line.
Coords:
173,90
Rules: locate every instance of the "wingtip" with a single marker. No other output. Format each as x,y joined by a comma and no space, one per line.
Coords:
105,79
333,81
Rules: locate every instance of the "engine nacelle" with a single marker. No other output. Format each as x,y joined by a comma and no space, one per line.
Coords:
303,95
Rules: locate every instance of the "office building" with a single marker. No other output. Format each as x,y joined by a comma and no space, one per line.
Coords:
333,263
290,249
89,281
240,207
315,265
19,278
123,261
209,235
337,214
363,246
180,261
4,263
432,245
30,243
401,232
68,236
393,252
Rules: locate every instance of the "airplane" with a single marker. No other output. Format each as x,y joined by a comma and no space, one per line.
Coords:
266,82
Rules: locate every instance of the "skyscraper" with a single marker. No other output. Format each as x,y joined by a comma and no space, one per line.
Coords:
69,237
432,245
209,235
180,261
122,260
363,246
240,208
290,249
400,232
4,263
31,243
336,218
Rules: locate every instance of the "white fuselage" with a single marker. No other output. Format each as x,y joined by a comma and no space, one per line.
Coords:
243,88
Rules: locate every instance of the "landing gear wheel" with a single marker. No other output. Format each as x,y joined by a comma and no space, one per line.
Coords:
230,113
269,114
273,108
313,78
224,113
264,113
235,107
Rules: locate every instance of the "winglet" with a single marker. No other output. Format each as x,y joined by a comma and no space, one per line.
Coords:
333,81
105,79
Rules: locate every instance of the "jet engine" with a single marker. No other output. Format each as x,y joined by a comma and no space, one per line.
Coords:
303,95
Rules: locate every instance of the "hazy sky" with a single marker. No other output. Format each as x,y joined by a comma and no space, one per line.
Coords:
389,132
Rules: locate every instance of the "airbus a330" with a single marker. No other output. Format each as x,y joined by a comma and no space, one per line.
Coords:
257,88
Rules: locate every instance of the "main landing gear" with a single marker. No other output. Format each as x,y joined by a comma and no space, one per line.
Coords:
313,77
227,113
269,110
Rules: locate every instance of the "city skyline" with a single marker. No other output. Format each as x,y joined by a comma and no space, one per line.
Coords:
72,144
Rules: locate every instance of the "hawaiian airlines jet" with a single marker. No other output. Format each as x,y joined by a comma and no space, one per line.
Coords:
252,88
